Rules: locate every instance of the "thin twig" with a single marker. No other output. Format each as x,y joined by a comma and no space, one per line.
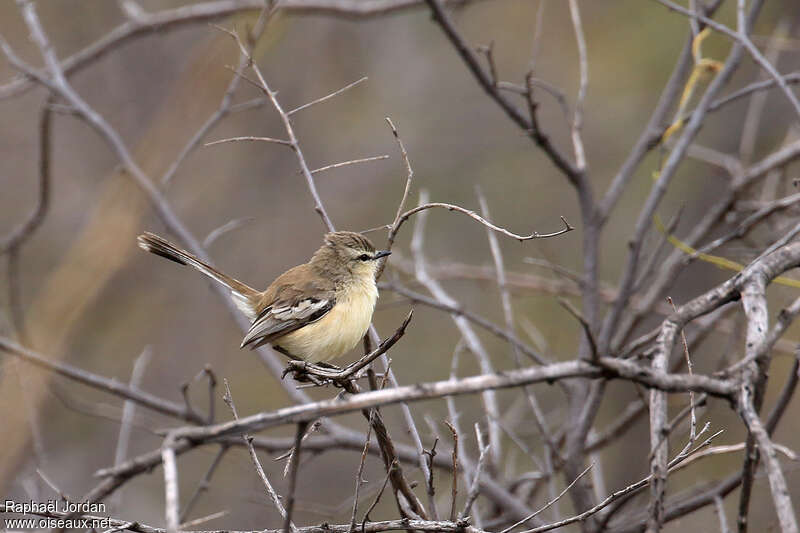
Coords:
577,119
689,368
394,227
458,310
24,231
741,37
229,226
508,314
474,489
204,483
129,407
454,489
110,386
550,503
292,141
473,342
450,207
359,472
225,105
377,497
441,17
350,162
429,484
249,139
276,500
327,97
298,440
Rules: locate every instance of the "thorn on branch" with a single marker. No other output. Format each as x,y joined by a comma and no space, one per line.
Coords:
488,51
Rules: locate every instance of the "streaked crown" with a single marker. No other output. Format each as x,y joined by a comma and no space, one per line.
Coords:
349,240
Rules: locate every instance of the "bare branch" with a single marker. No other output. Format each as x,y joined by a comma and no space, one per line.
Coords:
559,160
471,339
474,488
292,141
350,162
777,482
359,473
229,226
610,367
458,310
454,489
741,37
98,382
450,207
147,23
276,500
327,97
24,231
577,119
129,408
295,466
250,139
170,485
204,483
551,502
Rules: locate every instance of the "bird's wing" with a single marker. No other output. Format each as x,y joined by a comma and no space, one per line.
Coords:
291,302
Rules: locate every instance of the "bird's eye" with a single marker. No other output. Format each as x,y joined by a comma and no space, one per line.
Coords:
364,257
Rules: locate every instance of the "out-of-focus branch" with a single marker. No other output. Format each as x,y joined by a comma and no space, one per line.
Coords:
471,339
98,382
667,172
24,231
583,62
170,485
146,23
458,310
508,313
292,141
741,36
276,500
571,172
58,84
777,482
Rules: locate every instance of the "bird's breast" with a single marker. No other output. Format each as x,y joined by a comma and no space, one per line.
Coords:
340,329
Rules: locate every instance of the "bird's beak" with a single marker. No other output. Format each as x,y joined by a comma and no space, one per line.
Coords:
382,253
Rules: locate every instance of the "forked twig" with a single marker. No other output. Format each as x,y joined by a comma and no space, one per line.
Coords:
276,500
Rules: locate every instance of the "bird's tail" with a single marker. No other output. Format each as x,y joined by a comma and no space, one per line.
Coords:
243,296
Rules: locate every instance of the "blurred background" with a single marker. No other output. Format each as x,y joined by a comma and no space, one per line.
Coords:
93,299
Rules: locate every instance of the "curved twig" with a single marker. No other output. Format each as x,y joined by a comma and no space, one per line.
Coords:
475,216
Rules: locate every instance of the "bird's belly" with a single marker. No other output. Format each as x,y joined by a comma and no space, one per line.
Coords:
337,332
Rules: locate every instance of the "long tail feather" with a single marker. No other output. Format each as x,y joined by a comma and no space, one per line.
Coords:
243,296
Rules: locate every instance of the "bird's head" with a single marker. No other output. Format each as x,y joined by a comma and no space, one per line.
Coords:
349,252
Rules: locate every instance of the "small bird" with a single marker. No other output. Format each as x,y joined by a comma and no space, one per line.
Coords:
316,311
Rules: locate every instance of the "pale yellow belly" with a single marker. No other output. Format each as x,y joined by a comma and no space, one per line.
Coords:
337,332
